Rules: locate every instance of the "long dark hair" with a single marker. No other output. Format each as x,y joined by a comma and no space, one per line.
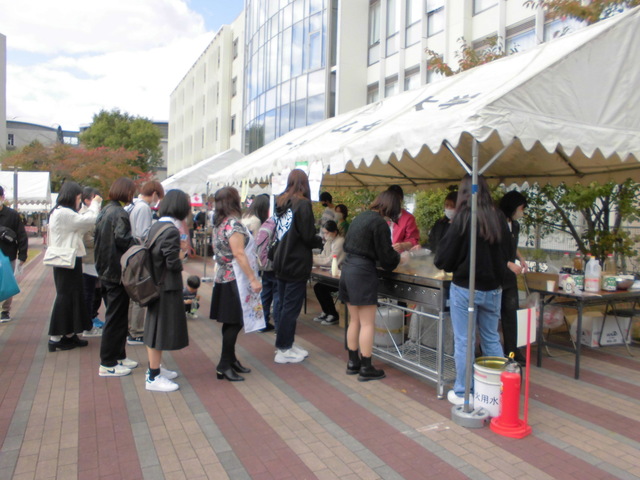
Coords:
227,204
388,204
489,219
259,207
297,188
67,196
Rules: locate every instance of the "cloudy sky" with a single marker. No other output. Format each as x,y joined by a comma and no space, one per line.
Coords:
68,59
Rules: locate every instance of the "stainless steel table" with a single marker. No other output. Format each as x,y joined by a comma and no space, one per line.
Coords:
419,283
579,301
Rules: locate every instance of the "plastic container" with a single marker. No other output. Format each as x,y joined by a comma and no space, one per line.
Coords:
487,383
609,278
334,266
592,276
565,270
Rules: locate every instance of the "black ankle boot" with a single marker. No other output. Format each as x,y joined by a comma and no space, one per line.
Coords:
239,368
229,374
353,365
368,371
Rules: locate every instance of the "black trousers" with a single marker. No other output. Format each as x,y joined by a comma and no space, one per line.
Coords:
323,294
509,319
230,333
116,327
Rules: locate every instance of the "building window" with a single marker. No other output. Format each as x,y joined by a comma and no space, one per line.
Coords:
217,93
558,28
435,17
219,54
412,78
374,33
520,42
482,5
216,129
235,48
10,140
233,124
373,93
234,86
413,17
392,28
391,86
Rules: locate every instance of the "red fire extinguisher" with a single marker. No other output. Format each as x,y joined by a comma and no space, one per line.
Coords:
508,422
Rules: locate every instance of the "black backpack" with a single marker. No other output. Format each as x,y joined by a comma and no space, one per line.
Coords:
137,271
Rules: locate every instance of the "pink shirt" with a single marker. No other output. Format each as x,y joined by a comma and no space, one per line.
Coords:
406,229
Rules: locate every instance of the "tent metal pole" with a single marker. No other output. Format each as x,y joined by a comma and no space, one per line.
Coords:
467,416
493,159
458,157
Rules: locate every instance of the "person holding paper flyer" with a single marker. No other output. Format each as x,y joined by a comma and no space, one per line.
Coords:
235,301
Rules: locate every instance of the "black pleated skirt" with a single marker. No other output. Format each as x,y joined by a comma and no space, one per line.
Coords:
165,327
69,313
225,303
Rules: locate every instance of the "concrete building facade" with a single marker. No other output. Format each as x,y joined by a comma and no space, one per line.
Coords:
306,60
205,114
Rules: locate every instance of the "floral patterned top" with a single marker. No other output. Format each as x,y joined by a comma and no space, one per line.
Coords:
222,249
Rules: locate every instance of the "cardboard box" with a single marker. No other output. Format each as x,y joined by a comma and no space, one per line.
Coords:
592,325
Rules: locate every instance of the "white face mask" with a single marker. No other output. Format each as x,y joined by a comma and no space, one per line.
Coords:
338,216
449,213
518,214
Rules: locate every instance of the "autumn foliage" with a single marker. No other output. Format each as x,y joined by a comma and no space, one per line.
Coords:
97,167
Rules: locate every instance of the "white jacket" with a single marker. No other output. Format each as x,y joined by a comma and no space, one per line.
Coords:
66,227
331,247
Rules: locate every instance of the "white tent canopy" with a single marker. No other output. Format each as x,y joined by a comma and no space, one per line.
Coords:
194,179
569,108
34,190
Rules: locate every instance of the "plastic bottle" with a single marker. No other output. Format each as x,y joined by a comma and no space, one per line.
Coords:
565,270
578,266
609,274
334,266
592,276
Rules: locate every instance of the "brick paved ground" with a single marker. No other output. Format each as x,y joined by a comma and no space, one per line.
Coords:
58,419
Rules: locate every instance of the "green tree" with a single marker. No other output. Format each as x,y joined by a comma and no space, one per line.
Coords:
604,207
120,130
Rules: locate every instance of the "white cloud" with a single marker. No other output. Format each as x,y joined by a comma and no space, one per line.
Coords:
98,55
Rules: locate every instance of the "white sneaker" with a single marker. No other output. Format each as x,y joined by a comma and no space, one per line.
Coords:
330,320
299,350
168,374
288,356
456,400
127,362
117,371
94,332
160,384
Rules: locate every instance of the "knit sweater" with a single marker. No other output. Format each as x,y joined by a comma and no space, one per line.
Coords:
369,236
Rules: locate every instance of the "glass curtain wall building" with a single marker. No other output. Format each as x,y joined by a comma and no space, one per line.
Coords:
287,64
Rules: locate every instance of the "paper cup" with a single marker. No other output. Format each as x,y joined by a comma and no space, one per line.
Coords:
551,285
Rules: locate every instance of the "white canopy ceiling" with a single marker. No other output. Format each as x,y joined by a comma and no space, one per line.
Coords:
34,190
194,179
566,109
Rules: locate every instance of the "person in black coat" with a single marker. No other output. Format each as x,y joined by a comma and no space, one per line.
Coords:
439,229
512,205
165,327
10,220
293,260
368,242
453,255
113,238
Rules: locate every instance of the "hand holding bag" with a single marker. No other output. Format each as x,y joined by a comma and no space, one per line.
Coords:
64,257
8,285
